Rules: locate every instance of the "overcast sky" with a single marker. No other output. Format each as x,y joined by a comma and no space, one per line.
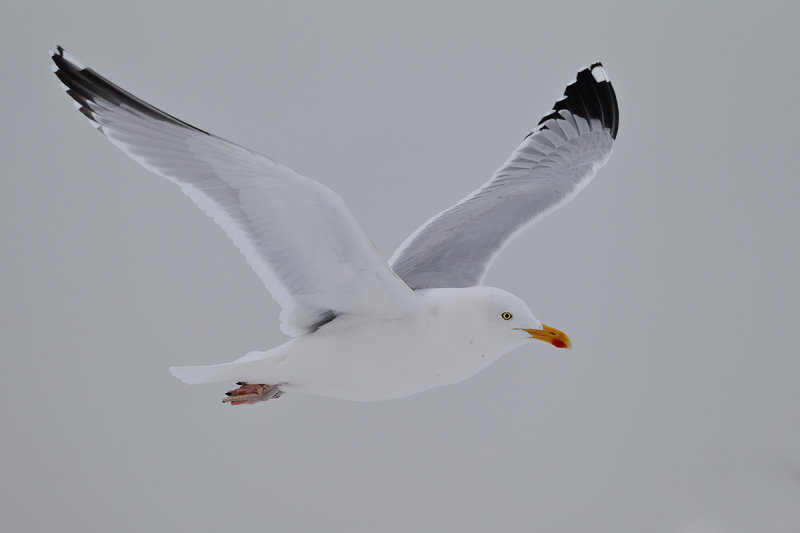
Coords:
674,273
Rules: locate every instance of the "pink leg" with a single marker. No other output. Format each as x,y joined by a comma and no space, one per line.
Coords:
252,393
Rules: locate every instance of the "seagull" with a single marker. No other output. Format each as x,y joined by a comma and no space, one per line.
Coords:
363,328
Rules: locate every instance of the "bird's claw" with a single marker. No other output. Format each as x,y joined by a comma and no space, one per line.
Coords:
251,393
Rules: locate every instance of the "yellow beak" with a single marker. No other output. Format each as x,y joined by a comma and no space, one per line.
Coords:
555,337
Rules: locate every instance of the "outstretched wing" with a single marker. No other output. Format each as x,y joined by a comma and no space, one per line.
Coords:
558,159
296,234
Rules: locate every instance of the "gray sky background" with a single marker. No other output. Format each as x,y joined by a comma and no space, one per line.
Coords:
674,272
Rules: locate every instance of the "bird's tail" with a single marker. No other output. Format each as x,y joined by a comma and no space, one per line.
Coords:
239,370
193,375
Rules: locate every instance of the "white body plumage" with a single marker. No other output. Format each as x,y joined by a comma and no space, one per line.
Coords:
451,336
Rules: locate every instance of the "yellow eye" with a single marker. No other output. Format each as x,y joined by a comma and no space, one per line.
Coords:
506,315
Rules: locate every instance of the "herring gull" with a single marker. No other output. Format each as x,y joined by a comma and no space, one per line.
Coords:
362,328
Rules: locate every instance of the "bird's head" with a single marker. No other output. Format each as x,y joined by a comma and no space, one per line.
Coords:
510,318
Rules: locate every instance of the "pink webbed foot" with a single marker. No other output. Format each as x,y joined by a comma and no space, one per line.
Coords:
248,393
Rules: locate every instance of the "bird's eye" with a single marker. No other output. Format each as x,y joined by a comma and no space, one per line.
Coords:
506,315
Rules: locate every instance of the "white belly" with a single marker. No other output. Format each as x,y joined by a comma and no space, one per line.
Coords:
375,360
453,335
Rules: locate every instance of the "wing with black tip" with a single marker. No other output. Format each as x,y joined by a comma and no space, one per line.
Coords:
554,162
296,234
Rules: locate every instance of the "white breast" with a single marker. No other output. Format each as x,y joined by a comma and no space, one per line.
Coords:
382,359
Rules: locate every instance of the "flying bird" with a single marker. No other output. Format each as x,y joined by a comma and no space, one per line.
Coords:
362,328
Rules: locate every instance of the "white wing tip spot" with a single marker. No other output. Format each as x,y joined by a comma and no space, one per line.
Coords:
599,74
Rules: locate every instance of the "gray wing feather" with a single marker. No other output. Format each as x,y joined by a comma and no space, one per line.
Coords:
551,165
296,234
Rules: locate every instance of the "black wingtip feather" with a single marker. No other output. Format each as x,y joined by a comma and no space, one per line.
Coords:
84,85
590,98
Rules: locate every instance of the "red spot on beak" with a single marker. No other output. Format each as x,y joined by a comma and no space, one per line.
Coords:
558,343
